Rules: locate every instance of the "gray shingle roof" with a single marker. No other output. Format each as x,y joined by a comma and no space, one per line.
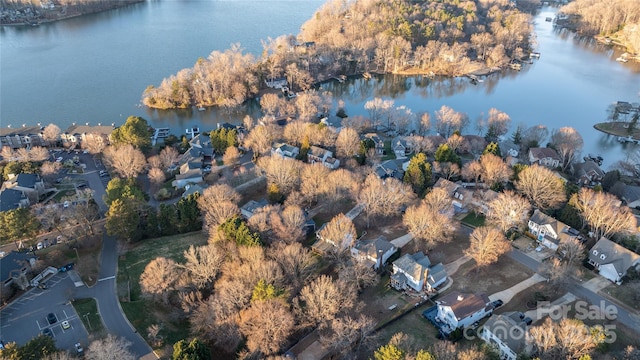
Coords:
10,199
11,262
606,251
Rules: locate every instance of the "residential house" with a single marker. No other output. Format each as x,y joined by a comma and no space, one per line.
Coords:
460,196
21,137
11,199
401,148
416,272
481,199
76,134
247,210
374,252
631,196
325,157
544,156
190,189
190,173
461,310
612,260
377,141
549,231
509,148
14,268
285,151
276,83
30,184
508,333
200,150
587,173
389,168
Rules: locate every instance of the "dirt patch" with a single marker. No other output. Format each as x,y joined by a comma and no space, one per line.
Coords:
497,277
390,228
628,293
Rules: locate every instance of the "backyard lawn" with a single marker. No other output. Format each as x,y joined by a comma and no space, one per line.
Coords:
142,312
473,219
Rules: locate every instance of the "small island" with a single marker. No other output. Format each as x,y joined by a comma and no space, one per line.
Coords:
623,122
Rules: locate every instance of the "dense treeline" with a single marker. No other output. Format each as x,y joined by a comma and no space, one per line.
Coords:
34,11
617,18
444,37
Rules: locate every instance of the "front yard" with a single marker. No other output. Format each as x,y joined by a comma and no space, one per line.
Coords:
142,312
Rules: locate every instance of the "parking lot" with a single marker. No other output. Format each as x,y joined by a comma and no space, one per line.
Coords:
26,318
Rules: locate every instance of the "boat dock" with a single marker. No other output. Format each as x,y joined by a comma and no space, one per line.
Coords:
159,133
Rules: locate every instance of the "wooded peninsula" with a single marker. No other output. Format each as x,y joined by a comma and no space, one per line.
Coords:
444,37
34,12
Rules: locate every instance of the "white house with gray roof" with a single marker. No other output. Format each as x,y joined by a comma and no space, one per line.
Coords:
417,273
508,333
460,310
612,260
285,151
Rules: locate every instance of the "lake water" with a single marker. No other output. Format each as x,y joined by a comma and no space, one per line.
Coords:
94,69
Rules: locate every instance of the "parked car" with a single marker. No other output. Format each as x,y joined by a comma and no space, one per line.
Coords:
66,325
104,173
527,321
66,268
496,304
40,246
79,349
47,332
51,318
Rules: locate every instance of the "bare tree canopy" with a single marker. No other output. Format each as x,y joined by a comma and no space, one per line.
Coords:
497,124
494,169
541,186
604,214
203,263
283,173
159,277
428,223
94,144
168,156
449,121
126,160
267,325
261,138
384,198
347,143
508,210
323,299
566,339
339,231
110,348
487,245
51,133
568,142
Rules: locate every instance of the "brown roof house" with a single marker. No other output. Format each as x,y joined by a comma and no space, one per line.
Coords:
588,173
508,333
612,260
460,310
545,157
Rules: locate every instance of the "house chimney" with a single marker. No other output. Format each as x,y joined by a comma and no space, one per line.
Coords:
460,298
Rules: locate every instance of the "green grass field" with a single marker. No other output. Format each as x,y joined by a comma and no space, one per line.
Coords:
143,312
473,219
87,310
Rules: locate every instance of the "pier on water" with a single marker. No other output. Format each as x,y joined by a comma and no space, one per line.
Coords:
159,133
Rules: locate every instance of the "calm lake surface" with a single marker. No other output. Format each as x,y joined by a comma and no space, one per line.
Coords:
94,69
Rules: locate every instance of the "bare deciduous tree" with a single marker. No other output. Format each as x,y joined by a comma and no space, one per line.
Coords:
266,324
94,144
568,142
231,155
494,169
296,261
125,160
38,153
603,213
428,224
215,321
203,263
156,178
508,210
339,231
384,198
541,186
261,138
448,121
168,156
110,348
214,214
51,133
498,123
348,335
158,278
357,274
283,173
572,249
487,245
347,143
323,299
566,339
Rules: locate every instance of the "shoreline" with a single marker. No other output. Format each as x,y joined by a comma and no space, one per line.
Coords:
617,130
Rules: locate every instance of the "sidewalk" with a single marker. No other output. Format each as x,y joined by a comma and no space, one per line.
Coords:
453,266
508,294
541,311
